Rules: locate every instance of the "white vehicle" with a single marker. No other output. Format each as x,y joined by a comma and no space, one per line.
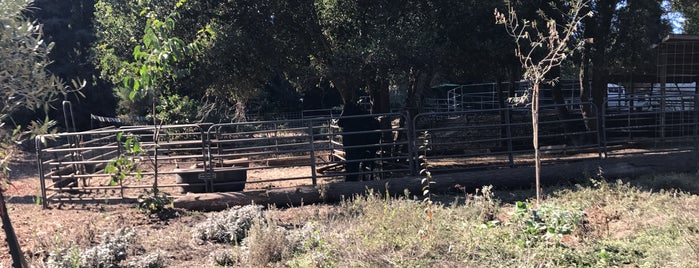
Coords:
618,100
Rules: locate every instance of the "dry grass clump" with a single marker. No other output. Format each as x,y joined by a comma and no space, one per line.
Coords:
267,243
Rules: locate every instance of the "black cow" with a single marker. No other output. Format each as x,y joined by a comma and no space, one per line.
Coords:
359,147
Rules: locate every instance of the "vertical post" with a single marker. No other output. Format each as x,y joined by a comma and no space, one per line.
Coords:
696,116
663,82
505,118
204,145
218,148
601,133
119,154
508,131
40,166
156,137
412,152
331,139
312,152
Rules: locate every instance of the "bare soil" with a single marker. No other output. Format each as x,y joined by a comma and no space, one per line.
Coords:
42,230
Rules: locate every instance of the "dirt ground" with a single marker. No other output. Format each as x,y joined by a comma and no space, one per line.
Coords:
42,230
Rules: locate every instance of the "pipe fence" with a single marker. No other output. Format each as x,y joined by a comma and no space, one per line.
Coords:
123,163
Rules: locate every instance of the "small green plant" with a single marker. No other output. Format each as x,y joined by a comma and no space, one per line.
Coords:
545,222
62,258
125,164
426,182
154,202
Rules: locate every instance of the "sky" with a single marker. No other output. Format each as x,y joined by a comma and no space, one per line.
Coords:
675,18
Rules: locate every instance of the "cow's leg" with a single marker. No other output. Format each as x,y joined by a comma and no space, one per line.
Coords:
351,164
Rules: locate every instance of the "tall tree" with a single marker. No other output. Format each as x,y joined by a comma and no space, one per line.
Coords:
68,25
25,84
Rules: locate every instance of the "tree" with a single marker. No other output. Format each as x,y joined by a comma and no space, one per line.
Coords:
25,84
690,11
539,52
68,25
620,35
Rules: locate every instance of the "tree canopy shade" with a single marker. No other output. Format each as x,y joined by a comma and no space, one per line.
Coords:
357,46
68,25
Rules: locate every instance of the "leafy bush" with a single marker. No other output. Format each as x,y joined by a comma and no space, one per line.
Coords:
545,223
176,109
154,202
227,226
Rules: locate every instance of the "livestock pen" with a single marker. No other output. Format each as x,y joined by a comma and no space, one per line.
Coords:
123,163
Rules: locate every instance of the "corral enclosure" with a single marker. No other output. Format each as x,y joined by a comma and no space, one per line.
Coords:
309,151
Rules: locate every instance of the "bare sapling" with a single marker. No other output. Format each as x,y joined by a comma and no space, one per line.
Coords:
539,50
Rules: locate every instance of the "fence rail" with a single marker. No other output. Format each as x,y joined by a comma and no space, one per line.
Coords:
175,159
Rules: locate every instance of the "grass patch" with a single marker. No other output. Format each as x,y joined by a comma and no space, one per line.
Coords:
598,224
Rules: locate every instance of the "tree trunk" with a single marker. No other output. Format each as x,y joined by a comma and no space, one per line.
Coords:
602,23
380,97
12,242
585,93
535,140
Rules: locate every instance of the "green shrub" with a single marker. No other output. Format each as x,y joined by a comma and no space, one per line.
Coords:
176,109
547,223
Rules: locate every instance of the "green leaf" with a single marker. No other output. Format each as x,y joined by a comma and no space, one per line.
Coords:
127,81
136,148
137,53
132,94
